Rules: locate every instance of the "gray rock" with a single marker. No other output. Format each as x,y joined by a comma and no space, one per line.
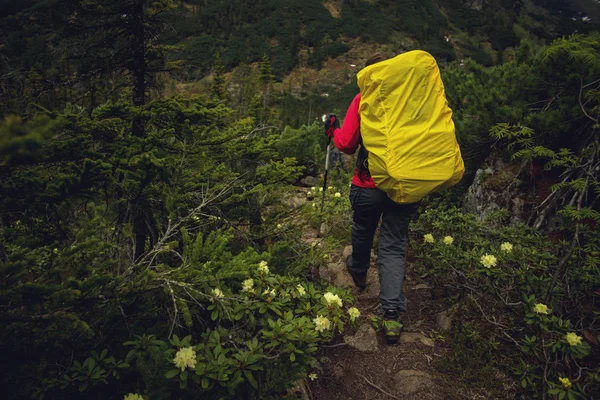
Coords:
497,186
337,267
422,286
444,320
310,181
323,230
364,340
347,251
409,382
343,280
326,274
416,337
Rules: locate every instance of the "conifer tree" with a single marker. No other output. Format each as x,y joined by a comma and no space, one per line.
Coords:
218,84
266,79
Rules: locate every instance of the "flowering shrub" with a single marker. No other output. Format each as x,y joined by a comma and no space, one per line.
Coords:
264,333
509,292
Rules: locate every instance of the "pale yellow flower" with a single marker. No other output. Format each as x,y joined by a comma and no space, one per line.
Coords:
337,194
314,205
248,285
185,358
573,339
312,376
540,308
133,396
322,323
300,290
313,244
320,189
354,313
55,251
314,188
279,226
331,298
566,383
218,293
488,261
325,256
263,268
428,238
506,247
330,188
448,240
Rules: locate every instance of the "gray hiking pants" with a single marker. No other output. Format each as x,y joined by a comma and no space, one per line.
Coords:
369,205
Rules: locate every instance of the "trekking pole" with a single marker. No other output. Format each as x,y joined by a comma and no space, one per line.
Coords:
325,177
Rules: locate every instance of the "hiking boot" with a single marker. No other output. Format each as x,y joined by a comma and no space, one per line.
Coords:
392,326
360,280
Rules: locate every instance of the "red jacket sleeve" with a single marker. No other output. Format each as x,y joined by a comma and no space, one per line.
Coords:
347,137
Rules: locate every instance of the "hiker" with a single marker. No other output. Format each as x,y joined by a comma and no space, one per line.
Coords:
370,203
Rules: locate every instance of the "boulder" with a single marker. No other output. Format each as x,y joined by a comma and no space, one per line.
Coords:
416,337
498,186
443,320
310,181
347,251
365,339
408,382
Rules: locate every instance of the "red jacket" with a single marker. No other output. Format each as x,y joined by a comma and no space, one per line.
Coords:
347,139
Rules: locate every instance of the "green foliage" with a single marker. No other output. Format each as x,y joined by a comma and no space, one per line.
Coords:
75,186
513,299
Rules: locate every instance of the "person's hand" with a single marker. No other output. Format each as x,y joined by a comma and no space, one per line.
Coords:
331,124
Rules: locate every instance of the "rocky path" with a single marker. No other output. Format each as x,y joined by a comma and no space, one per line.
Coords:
360,365
363,366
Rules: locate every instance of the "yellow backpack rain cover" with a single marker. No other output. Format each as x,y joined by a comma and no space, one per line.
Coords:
407,128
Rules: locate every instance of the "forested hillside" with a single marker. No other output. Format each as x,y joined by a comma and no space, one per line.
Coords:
166,231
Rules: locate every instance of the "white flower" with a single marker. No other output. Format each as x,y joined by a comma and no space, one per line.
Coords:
185,357
312,376
301,290
573,339
448,240
354,313
337,194
331,298
248,285
506,247
133,396
488,261
263,268
322,323
540,308
428,238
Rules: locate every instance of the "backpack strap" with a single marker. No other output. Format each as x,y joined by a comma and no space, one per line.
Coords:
362,161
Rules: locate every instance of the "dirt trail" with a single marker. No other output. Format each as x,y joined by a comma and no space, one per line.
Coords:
401,371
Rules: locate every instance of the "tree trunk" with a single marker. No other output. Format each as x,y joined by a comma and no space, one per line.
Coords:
138,66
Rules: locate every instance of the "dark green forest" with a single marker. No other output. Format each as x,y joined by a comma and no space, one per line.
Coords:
153,215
